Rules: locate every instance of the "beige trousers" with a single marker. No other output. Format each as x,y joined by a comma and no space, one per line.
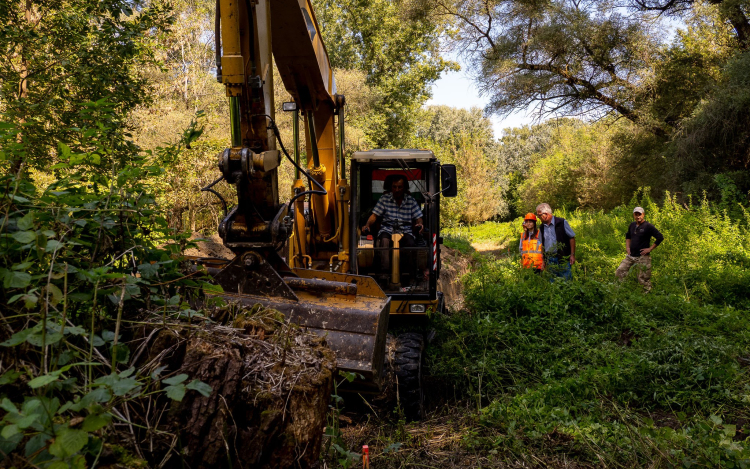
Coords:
644,269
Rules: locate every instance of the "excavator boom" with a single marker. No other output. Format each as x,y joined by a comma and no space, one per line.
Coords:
350,310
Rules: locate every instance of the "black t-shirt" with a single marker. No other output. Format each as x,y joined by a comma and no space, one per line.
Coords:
640,237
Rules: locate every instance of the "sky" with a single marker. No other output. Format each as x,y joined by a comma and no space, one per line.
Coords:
456,89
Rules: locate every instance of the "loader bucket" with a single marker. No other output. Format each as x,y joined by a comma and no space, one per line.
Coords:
350,311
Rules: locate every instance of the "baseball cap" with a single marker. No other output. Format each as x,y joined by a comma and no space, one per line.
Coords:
529,216
639,210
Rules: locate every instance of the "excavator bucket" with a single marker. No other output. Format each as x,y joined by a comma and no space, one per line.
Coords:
350,311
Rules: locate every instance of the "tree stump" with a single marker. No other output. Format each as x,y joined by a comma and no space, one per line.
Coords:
271,385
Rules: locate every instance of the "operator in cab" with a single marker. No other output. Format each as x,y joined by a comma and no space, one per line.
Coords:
397,210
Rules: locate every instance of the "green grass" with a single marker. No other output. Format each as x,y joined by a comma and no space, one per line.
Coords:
490,231
460,244
599,372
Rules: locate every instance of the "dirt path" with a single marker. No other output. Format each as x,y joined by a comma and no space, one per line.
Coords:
491,248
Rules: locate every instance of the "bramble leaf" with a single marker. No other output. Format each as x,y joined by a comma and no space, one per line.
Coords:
120,353
175,379
96,421
176,392
7,405
68,443
24,237
43,380
25,222
10,431
124,386
17,338
17,279
200,386
22,266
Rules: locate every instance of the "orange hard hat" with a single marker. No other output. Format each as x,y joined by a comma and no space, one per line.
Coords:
529,216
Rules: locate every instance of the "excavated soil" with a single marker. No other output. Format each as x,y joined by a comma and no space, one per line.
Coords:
454,265
212,246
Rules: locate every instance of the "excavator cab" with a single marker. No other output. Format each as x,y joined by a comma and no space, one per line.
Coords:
402,258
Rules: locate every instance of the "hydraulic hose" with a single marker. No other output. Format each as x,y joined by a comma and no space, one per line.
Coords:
217,40
322,190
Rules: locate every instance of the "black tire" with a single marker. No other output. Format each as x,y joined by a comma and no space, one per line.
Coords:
407,363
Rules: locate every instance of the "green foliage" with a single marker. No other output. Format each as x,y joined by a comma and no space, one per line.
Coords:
716,138
59,55
396,45
598,370
459,243
334,446
568,58
464,138
80,256
568,163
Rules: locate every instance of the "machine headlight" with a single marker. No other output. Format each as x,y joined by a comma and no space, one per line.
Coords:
416,308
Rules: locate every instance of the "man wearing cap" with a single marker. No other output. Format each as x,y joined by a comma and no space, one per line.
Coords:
638,247
559,242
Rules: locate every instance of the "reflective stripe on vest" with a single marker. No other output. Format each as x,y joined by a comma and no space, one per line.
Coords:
532,252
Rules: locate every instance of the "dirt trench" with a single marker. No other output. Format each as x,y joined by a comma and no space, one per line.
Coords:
454,265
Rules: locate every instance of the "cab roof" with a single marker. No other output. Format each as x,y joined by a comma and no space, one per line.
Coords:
405,154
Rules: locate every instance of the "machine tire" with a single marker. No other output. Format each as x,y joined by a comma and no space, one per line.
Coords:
407,363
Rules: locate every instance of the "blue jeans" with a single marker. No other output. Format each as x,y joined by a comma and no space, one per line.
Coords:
559,267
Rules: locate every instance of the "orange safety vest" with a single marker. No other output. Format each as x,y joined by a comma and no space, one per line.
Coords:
532,252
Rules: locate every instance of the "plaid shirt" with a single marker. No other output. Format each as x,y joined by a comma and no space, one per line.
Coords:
393,214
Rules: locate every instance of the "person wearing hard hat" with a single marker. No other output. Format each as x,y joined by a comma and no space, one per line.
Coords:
532,251
638,248
559,242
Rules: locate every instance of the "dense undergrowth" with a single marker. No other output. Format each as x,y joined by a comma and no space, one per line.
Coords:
81,260
597,372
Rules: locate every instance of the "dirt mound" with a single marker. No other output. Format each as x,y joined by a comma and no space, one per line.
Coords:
454,265
213,246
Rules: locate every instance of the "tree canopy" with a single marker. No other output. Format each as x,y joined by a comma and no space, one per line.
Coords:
396,44
58,54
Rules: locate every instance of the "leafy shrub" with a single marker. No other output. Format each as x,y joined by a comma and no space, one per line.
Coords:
80,257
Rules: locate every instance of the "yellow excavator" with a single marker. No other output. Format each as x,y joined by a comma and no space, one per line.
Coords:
308,257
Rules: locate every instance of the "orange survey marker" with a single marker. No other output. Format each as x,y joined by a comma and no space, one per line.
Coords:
365,457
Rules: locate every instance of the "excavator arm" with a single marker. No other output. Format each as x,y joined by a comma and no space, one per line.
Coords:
350,310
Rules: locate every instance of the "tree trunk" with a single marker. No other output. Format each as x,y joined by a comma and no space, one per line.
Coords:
23,84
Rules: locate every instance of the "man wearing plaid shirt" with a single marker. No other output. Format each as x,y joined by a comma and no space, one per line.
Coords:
397,209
